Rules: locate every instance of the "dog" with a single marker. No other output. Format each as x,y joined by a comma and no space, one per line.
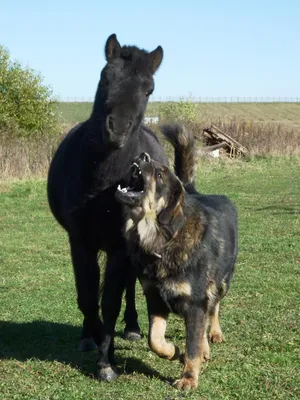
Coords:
183,245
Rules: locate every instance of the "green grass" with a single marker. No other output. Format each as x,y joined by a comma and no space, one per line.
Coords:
40,324
73,112
287,113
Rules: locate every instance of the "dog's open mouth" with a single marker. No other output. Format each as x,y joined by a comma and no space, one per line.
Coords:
132,194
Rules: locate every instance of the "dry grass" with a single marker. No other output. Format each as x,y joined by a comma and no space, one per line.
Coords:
23,158
262,138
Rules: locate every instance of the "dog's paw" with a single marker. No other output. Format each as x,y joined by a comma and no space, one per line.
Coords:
186,383
216,337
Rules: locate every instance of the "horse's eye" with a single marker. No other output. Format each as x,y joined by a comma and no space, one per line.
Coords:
159,175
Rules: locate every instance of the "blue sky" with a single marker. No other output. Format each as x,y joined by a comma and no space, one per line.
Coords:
212,48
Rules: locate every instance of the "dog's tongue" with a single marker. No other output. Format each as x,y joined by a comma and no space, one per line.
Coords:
131,193
128,191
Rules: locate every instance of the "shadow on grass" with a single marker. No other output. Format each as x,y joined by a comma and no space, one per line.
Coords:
51,341
278,209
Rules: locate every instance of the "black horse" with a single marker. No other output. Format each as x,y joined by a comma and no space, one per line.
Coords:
90,163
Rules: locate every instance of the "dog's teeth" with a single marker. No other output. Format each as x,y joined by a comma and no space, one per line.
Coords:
123,190
157,255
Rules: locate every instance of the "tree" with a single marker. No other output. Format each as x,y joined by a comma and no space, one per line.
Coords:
184,111
26,106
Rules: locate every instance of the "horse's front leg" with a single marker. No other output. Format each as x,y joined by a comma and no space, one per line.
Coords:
132,330
114,284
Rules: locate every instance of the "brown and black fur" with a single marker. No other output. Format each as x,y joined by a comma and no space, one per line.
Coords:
184,246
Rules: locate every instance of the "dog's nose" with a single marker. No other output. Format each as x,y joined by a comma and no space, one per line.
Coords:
145,157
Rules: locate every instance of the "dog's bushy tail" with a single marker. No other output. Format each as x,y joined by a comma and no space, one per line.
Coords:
183,143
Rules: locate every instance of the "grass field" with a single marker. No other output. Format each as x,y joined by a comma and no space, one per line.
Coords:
285,113
40,324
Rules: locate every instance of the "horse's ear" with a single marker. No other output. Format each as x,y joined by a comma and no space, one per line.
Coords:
155,58
112,47
173,209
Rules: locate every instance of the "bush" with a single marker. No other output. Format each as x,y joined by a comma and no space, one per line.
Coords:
183,110
26,107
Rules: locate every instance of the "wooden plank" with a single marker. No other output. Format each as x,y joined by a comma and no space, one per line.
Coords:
215,146
231,139
215,134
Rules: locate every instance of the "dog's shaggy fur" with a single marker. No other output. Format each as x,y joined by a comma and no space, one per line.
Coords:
184,246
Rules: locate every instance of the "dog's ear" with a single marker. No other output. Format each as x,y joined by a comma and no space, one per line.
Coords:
174,204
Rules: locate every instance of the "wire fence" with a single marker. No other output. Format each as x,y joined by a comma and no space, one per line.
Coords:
203,99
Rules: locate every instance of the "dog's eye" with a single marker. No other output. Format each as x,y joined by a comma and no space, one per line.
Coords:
159,175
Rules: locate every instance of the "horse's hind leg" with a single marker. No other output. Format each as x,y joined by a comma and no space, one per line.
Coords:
87,277
132,330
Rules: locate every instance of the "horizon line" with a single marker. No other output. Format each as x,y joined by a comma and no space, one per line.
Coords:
195,99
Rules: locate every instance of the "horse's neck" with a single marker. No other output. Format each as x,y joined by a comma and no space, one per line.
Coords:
110,165
116,163
98,112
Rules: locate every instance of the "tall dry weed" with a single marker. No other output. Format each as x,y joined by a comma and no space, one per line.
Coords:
21,158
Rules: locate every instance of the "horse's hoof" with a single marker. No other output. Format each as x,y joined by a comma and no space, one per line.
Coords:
107,374
87,344
132,336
